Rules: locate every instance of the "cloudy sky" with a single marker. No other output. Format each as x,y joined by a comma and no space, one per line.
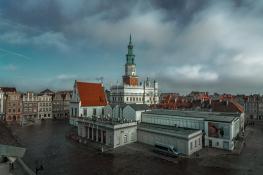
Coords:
207,45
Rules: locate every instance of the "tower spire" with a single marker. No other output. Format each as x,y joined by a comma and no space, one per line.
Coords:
130,39
130,56
130,77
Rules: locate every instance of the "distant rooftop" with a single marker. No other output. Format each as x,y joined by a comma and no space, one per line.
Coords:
91,94
8,89
215,116
47,91
107,122
139,107
176,131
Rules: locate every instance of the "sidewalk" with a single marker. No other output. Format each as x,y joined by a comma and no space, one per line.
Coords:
7,138
209,152
18,169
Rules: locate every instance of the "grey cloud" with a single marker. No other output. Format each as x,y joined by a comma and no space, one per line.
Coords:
190,44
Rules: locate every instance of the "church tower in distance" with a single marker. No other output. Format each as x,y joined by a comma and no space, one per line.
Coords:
130,77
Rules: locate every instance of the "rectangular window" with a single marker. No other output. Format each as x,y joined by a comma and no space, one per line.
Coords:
75,111
191,145
94,111
85,112
102,112
125,139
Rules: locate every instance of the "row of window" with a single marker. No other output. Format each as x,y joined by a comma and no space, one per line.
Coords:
30,99
14,110
195,142
60,115
44,104
30,109
44,115
45,109
13,104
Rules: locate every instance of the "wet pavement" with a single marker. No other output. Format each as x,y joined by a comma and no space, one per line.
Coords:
46,144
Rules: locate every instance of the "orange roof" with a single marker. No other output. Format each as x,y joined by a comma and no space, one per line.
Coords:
91,94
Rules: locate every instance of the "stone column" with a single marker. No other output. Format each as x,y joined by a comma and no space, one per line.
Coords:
79,130
87,132
97,134
92,133
101,136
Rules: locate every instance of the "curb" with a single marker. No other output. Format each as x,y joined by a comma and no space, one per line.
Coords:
25,167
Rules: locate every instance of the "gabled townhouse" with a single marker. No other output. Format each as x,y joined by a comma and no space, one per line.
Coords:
60,104
30,107
88,100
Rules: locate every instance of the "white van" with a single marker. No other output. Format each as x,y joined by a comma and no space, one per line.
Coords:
168,150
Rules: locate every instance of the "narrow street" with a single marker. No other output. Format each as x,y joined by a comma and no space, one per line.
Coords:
46,144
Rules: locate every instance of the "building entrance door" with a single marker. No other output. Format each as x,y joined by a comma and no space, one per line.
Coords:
210,143
104,137
226,145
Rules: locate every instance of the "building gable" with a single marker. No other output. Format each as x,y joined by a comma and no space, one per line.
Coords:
91,94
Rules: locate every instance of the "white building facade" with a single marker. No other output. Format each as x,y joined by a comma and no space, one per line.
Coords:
44,106
221,133
185,141
131,91
106,132
88,101
30,107
219,129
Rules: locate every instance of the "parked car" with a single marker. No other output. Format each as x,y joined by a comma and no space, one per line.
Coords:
167,150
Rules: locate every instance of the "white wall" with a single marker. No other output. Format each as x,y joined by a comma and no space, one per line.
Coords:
182,145
90,111
196,144
194,123
125,136
219,142
74,106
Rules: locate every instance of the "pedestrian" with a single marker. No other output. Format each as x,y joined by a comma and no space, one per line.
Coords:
12,166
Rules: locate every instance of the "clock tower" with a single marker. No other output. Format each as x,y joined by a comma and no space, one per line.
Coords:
130,77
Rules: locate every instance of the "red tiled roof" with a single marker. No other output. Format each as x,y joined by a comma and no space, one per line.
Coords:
232,106
91,94
8,89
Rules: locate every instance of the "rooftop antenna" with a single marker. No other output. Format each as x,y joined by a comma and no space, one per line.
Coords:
100,79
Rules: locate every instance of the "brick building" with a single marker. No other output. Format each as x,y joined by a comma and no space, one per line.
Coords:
13,107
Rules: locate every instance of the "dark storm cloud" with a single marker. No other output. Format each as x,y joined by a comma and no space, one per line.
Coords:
184,44
181,11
